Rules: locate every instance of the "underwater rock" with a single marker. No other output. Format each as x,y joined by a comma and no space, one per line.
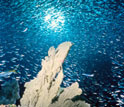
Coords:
9,88
41,91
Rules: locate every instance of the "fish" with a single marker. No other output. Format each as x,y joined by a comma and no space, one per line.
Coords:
14,70
88,75
25,30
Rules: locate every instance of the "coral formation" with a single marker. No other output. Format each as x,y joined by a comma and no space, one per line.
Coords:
41,91
65,99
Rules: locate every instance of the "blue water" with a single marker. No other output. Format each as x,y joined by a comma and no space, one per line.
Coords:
28,28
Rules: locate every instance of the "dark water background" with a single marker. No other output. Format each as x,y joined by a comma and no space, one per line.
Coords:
96,27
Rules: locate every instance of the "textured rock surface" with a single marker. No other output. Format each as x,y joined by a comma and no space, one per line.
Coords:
9,88
45,87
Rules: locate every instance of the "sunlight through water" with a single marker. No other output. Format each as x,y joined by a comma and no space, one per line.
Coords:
95,27
54,20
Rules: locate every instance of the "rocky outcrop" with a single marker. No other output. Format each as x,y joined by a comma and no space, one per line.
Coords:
41,91
9,88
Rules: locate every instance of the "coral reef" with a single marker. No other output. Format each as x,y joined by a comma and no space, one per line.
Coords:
9,88
41,91
65,99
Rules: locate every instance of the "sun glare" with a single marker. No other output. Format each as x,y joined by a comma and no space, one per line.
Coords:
54,20
48,17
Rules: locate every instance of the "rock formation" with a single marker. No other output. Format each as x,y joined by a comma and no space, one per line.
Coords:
41,91
9,88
